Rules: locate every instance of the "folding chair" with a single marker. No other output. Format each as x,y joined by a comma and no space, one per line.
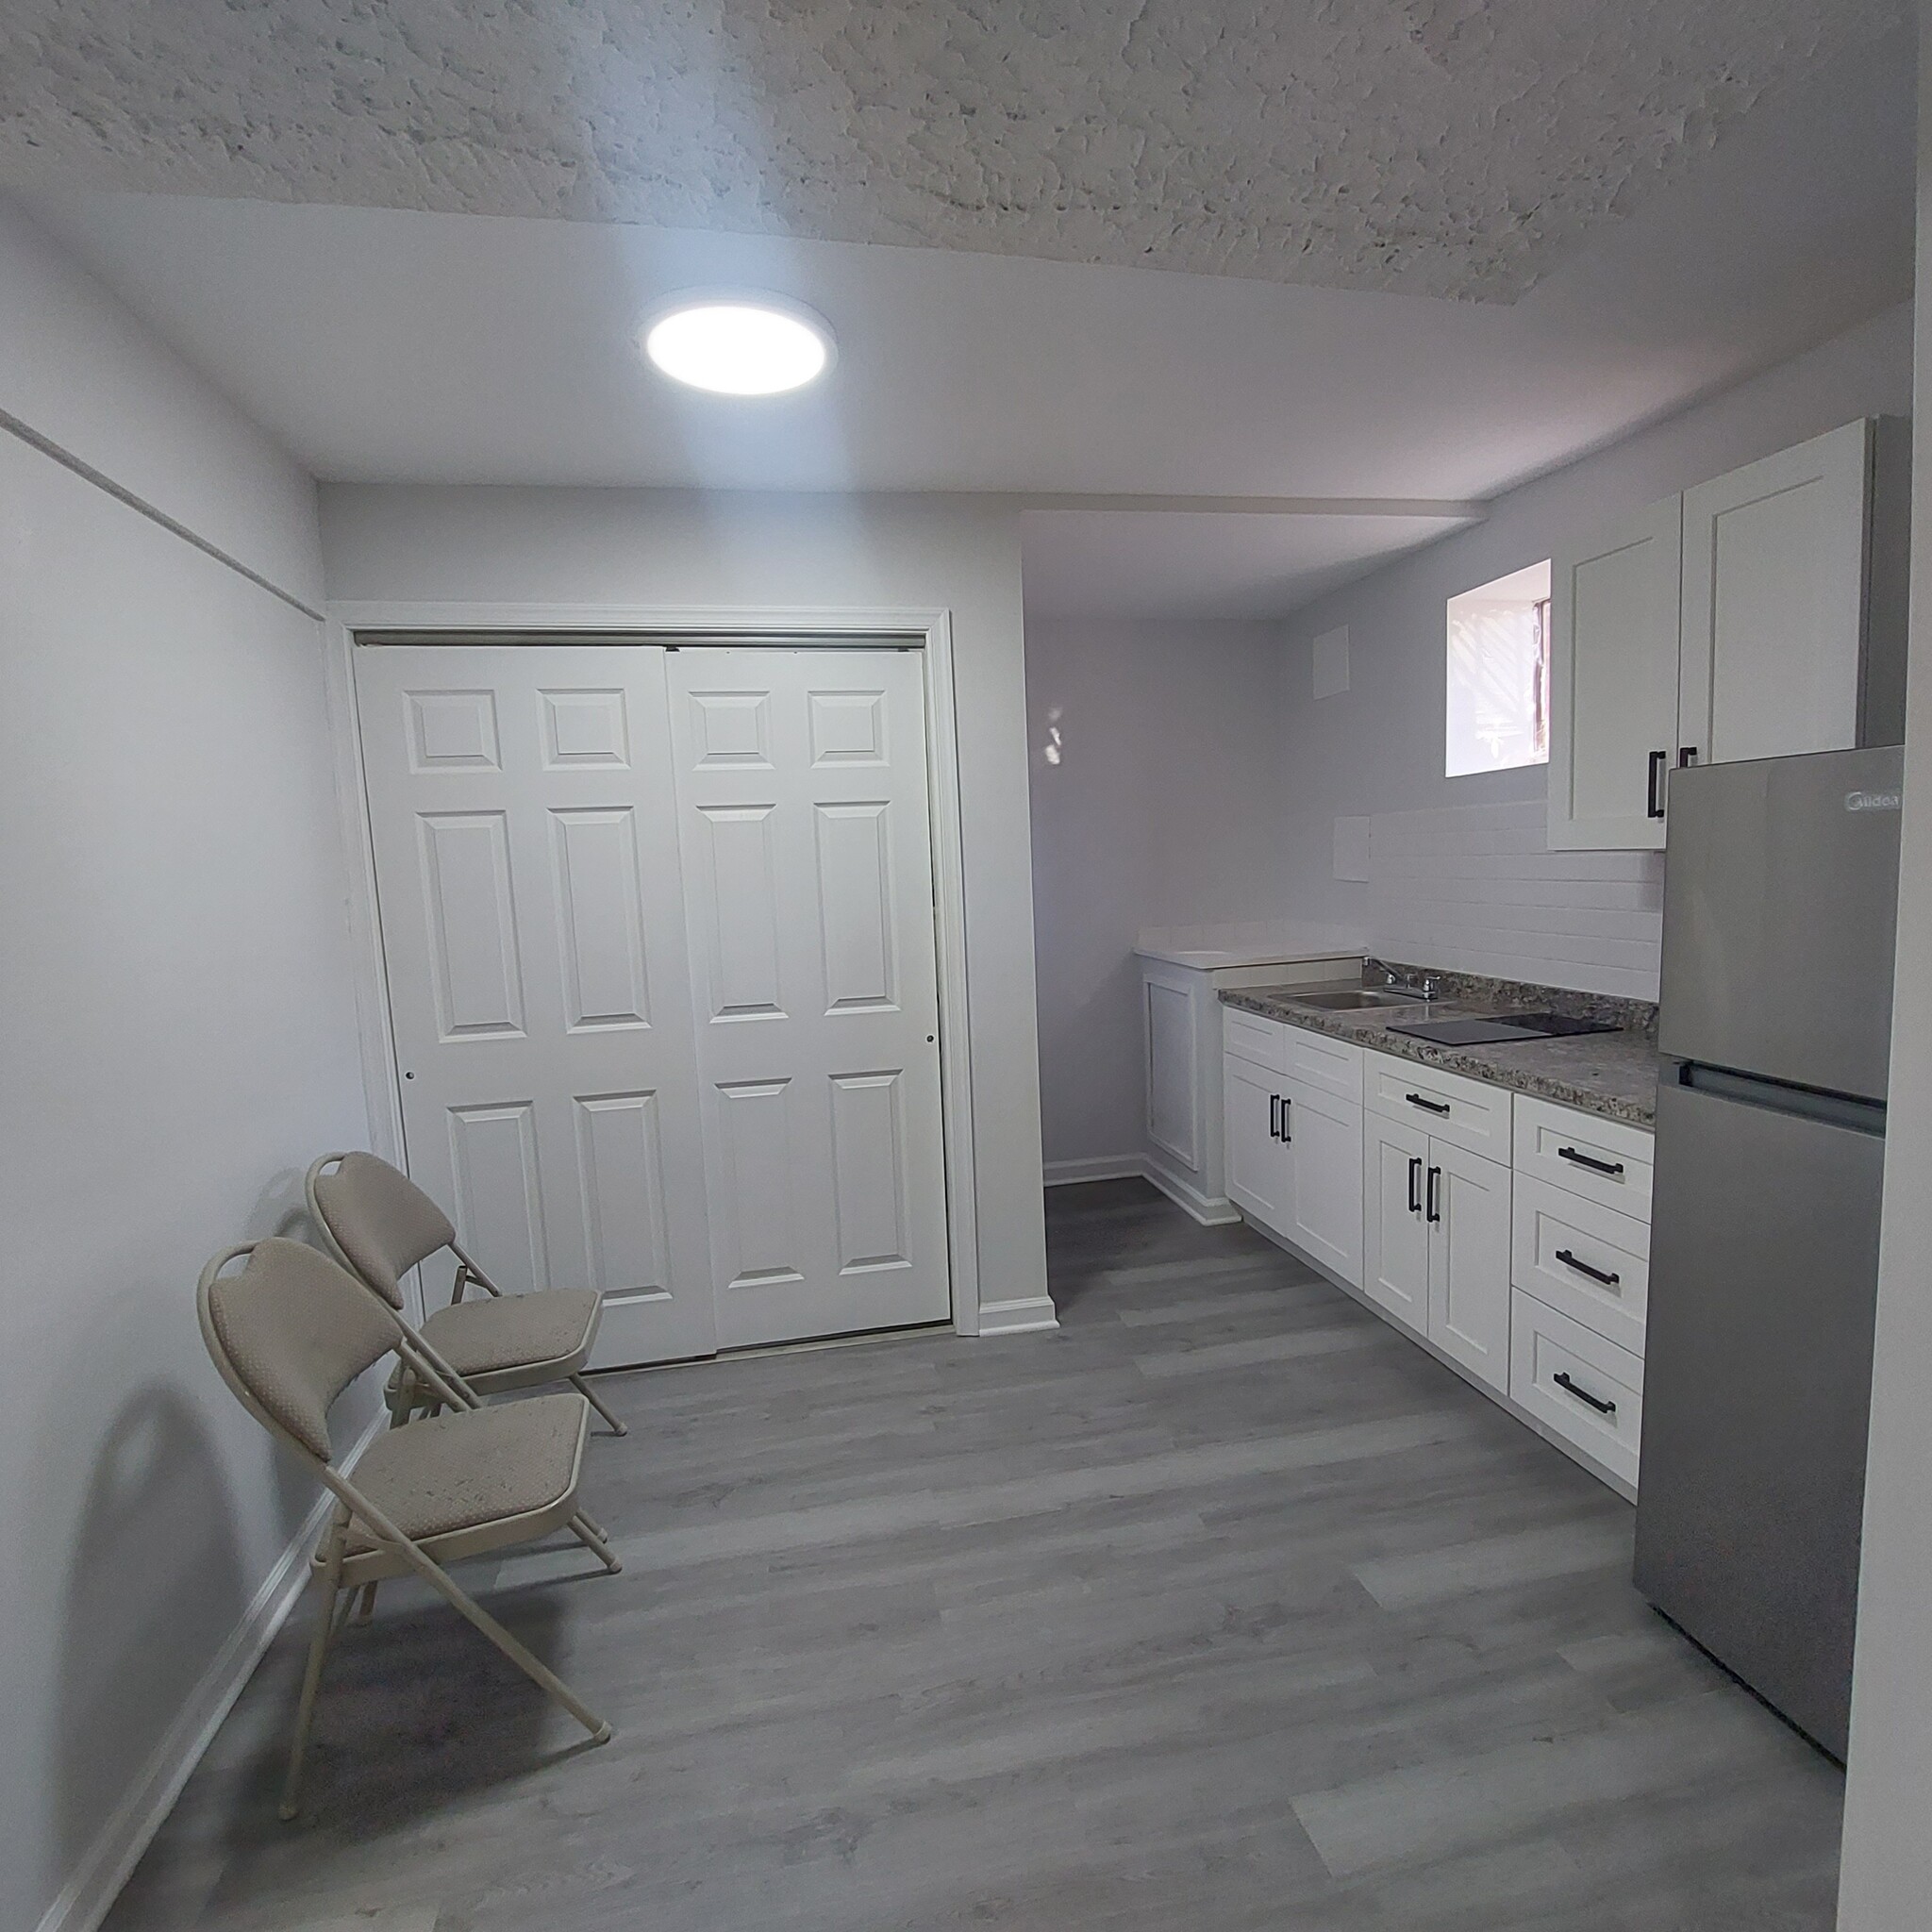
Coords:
381,1225
289,1333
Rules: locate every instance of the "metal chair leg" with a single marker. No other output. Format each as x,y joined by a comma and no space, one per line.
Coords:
592,1540
583,1389
326,1593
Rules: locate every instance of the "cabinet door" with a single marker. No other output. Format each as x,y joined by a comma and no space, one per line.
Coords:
1613,683
1774,606
1258,1158
1467,1201
1325,1175
1395,1235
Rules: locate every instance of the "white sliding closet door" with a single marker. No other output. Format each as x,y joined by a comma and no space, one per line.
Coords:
801,780
533,930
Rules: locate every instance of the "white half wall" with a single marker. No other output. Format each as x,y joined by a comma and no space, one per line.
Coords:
677,550
1162,811
1378,747
1886,1876
178,1039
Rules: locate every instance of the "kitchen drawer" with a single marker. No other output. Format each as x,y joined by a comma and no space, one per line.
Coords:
1563,1244
1261,1043
1600,1411
1469,1113
1607,1161
1327,1066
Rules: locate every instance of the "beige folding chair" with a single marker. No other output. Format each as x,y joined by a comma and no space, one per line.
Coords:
381,1225
289,1332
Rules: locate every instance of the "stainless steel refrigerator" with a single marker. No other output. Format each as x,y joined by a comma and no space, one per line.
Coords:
1780,893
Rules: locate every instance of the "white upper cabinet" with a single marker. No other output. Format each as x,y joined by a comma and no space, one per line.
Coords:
1729,623
1774,603
1615,617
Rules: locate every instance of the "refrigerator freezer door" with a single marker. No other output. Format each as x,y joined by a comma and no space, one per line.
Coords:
1758,1373
1780,894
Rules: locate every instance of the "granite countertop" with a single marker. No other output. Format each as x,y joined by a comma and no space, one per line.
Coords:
1613,1074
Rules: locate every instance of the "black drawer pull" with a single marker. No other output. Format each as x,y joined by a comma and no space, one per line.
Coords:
1415,1183
1426,1106
1434,1213
1612,1168
1569,1260
1274,1116
1595,1402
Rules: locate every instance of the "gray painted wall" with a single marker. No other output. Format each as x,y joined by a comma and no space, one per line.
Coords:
1161,813
177,1031
1886,1877
1378,746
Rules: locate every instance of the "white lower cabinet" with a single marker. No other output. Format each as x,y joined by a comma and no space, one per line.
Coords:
1258,1181
1584,1388
1436,1248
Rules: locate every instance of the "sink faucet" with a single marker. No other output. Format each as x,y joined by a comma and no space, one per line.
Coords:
1425,989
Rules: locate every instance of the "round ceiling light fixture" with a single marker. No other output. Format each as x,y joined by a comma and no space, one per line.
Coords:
736,345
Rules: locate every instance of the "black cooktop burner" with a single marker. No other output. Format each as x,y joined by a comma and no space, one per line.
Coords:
1503,1029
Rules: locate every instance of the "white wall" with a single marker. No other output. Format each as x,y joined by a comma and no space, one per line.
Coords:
1887,1875
1160,812
1378,747
677,550
176,1028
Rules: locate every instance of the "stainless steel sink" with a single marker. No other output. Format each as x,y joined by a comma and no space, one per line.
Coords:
1352,999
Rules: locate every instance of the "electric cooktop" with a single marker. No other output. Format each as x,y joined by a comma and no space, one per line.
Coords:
1502,1029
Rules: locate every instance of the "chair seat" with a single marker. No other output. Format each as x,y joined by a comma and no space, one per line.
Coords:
481,1466
515,1331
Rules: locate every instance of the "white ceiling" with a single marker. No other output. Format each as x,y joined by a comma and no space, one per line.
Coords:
401,346
1431,146
1152,566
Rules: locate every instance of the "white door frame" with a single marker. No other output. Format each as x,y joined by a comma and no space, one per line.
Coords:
931,629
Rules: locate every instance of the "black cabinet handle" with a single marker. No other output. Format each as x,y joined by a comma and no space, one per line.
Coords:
1434,1211
1612,1168
1415,1185
1287,1133
1274,1116
1658,759
1569,1260
1687,754
1583,1395
1427,1106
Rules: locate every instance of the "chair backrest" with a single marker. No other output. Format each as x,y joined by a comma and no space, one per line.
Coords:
289,1332
380,1219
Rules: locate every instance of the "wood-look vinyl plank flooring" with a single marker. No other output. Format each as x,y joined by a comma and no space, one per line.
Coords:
1225,1607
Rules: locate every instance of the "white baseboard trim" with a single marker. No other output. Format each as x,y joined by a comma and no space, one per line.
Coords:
82,1902
1099,1167
1020,1316
1208,1212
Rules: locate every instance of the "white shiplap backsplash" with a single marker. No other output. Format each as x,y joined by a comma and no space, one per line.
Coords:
1477,890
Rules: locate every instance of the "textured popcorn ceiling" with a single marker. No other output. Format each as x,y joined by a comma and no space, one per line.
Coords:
1445,147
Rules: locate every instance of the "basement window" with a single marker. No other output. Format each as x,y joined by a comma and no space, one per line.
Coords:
1498,711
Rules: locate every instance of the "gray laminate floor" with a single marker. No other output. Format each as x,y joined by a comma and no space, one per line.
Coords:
1224,1607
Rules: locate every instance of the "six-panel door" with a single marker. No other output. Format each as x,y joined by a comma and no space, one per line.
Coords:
801,783
523,825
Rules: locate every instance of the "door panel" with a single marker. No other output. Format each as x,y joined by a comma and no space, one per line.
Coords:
1395,1259
1258,1182
533,932
1469,1262
1774,606
801,790
1613,680
1325,1169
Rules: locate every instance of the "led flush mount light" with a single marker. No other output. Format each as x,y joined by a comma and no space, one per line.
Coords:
736,345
